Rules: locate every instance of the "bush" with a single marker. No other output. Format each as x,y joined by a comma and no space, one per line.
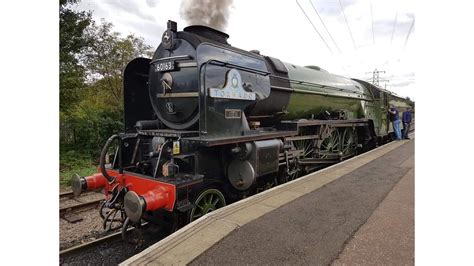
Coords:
72,161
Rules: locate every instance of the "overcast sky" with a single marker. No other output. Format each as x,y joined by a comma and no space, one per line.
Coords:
379,28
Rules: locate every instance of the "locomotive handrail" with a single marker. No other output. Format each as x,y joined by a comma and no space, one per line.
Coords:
312,84
103,153
178,57
318,93
102,158
248,69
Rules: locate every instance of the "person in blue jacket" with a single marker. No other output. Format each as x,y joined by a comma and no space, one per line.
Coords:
406,119
394,117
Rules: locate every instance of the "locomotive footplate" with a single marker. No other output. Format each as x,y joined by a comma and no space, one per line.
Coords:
169,133
182,180
295,125
209,141
336,159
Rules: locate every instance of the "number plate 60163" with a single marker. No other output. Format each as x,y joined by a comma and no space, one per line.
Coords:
164,66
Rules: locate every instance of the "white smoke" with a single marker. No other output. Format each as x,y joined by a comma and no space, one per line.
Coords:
212,13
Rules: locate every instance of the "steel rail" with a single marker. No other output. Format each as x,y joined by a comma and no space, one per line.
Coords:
66,195
70,194
95,242
81,206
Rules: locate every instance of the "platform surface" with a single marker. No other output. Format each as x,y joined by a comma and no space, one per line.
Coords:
355,212
388,237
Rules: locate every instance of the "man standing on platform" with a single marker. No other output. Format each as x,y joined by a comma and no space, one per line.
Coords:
395,121
406,119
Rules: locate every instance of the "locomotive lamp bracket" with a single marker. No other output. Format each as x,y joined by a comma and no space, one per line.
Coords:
168,40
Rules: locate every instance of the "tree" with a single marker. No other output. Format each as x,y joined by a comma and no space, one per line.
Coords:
92,60
108,56
72,42
99,111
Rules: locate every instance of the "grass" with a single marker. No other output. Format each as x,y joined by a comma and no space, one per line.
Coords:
71,162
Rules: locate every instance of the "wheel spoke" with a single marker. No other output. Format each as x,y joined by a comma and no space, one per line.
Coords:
210,198
207,201
332,144
348,141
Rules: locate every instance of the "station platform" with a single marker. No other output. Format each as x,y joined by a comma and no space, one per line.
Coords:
360,211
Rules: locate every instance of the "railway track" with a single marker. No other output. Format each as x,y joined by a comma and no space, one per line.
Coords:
70,205
66,195
91,244
69,195
106,250
79,207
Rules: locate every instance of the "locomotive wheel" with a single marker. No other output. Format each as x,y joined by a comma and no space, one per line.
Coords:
304,145
331,145
208,200
349,141
307,146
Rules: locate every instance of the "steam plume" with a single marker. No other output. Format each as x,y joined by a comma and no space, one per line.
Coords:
212,13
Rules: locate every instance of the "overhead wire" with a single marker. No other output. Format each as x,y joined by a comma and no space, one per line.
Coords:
372,17
409,32
314,27
394,25
324,25
330,35
347,23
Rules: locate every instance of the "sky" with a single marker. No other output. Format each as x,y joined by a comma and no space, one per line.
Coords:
443,54
376,36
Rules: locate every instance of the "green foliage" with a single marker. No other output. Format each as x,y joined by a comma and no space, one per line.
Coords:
108,56
99,111
74,162
72,28
72,42
92,61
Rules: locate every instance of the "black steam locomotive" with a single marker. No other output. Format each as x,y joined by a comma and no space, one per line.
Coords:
207,124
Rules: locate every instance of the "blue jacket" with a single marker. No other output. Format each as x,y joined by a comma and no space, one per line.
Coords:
394,117
406,117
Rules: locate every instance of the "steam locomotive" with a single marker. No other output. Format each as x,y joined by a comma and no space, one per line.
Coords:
207,124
